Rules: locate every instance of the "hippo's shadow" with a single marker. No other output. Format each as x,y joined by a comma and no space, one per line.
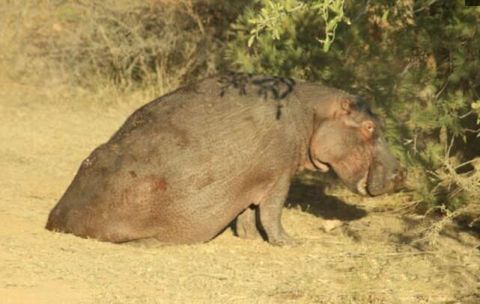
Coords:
311,198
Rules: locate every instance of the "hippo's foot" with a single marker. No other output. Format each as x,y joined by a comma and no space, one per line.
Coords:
246,225
284,240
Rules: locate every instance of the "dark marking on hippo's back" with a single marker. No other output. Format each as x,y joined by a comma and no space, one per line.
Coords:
265,86
237,81
273,87
276,87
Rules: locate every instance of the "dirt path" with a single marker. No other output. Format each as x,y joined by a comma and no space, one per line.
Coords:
364,261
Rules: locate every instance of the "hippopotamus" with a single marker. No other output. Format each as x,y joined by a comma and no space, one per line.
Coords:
184,166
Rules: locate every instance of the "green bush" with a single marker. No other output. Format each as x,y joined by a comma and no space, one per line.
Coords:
417,61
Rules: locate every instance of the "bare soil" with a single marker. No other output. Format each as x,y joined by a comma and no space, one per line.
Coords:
352,250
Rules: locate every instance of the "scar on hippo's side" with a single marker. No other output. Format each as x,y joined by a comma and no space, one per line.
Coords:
160,185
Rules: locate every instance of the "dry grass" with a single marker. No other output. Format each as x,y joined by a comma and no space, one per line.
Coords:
153,43
455,184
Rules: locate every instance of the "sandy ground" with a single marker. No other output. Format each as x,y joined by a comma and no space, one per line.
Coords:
368,257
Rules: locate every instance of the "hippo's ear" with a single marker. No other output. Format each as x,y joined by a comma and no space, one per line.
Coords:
345,107
367,129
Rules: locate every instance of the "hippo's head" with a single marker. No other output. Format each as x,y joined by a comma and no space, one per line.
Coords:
352,144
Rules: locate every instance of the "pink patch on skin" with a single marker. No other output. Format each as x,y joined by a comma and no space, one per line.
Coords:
160,185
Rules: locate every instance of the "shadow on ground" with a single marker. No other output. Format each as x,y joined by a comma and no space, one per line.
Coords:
311,198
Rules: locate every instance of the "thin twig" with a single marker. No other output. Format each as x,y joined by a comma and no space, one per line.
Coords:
442,89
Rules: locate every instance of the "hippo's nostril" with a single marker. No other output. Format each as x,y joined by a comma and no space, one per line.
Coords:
398,178
398,175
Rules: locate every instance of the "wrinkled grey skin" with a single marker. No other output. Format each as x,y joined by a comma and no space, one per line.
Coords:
184,166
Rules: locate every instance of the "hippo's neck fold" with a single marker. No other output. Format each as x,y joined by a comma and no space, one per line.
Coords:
304,121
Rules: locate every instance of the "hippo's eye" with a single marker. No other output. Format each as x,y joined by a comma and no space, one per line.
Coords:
367,129
369,126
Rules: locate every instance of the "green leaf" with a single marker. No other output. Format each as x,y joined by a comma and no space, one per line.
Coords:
476,105
251,40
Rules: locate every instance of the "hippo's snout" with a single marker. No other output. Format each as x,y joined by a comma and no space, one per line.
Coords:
385,178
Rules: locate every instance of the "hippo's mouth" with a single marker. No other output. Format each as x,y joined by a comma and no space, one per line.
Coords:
362,185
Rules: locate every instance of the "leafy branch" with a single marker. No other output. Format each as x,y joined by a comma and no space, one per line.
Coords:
275,15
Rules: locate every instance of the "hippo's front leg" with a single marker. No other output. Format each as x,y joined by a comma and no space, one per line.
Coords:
271,211
246,224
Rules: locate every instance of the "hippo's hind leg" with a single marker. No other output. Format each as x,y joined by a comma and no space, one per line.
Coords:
271,211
